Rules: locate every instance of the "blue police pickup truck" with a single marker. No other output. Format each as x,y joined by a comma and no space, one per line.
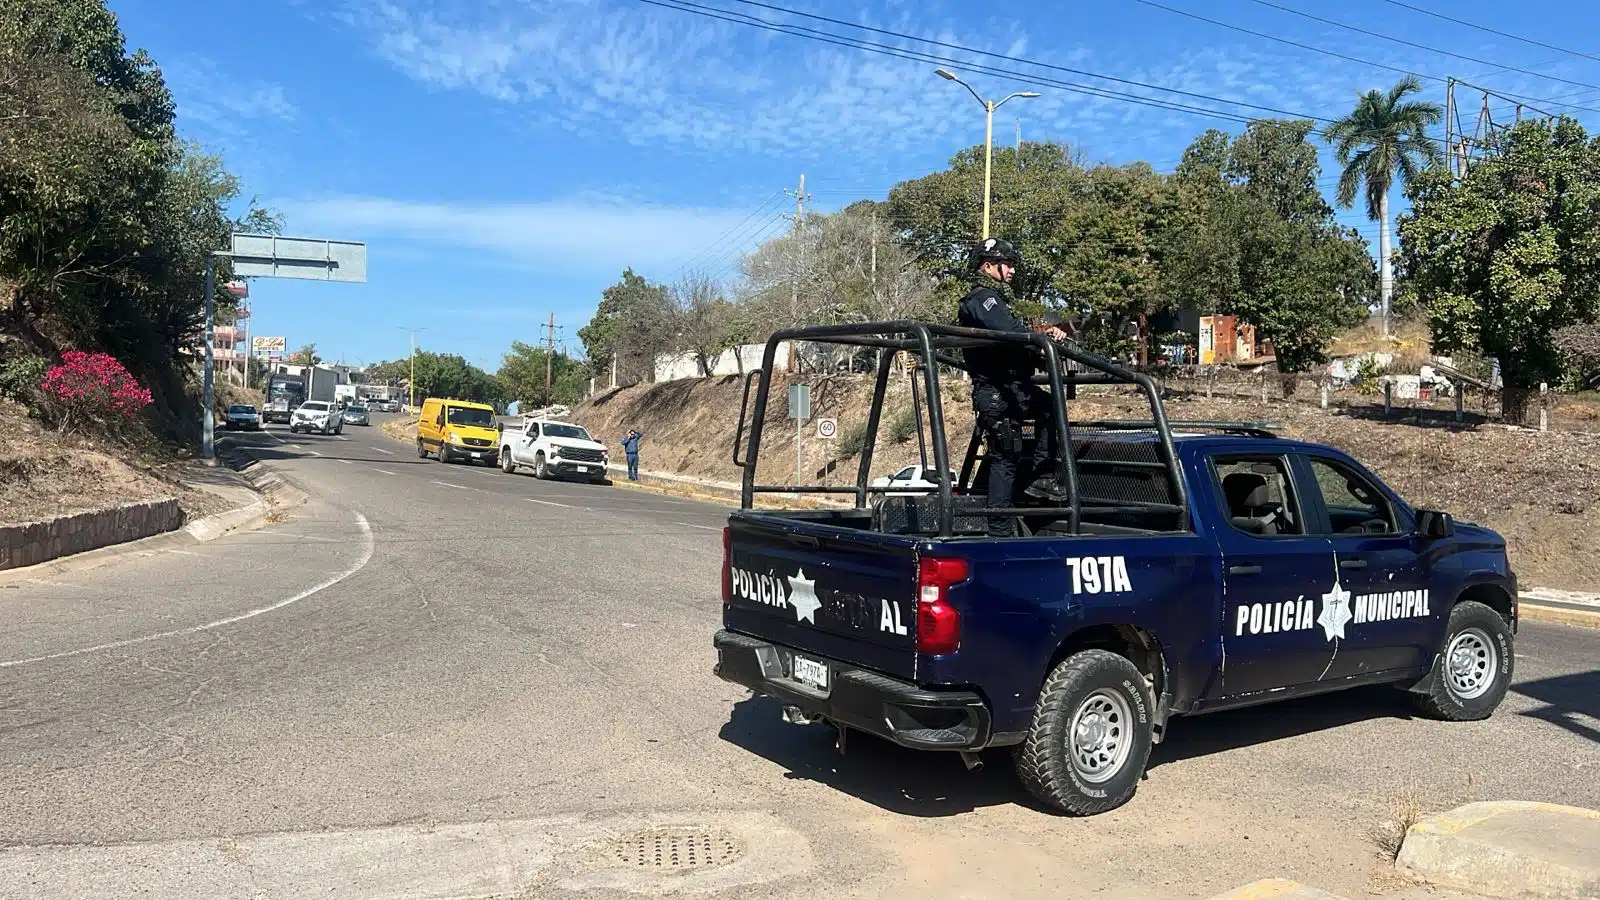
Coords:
1195,567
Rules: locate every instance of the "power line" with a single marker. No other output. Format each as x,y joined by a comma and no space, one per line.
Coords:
919,56
720,238
1013,59
1326,52
1504,34
1381,36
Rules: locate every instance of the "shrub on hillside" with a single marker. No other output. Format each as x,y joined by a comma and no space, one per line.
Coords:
90,388
904,425
20,376
852,440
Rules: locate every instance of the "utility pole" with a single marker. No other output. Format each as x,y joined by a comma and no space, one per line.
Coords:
549,354
796,260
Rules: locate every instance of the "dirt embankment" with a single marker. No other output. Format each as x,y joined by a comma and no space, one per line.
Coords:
45,474
1540,490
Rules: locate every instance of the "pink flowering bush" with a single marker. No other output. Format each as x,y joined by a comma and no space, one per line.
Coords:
91,387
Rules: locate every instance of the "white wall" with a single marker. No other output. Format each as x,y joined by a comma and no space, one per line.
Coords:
678,366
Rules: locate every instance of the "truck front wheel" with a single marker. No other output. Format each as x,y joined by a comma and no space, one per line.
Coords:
1091,734
1473,669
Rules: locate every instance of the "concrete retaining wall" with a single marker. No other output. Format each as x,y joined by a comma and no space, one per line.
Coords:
37,542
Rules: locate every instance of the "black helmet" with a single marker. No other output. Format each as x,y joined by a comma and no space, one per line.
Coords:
996,249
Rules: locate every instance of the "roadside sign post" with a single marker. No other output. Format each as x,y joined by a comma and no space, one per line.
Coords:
271,256
827,429
800,411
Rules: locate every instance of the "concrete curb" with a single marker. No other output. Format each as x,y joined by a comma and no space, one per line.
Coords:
1276,889
1508,849
1561,615
209,528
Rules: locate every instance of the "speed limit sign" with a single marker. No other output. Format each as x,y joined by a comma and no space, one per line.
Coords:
827,428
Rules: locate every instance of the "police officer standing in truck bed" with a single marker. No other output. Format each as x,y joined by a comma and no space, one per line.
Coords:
1003,393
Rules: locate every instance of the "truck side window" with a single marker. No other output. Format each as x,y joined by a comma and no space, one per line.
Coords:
1354,504
1257,496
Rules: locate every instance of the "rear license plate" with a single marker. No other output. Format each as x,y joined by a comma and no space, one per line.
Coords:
583,468
812,672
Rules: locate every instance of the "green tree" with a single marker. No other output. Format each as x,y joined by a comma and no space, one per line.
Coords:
1507,257
450,375
1385,134
105,218
938,217
522,376
634,322
1251,231
305,356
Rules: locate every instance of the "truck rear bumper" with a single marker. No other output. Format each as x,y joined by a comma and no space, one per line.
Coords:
895,710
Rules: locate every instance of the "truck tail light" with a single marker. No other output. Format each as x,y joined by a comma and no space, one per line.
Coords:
727,565
938,623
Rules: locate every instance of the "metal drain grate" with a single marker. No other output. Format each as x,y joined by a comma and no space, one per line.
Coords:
677,849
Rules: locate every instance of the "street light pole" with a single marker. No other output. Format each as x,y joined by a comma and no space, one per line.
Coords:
411,382
989,106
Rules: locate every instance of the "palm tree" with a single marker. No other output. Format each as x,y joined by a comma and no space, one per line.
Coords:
1383,135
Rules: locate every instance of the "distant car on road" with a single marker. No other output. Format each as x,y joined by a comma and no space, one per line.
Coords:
243,417
356,414
317,415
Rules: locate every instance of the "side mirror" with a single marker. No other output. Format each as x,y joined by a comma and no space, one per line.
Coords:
1432,524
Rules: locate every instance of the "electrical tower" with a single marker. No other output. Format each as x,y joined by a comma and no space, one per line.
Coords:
1490,122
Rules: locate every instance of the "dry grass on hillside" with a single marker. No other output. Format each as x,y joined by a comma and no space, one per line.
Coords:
44,474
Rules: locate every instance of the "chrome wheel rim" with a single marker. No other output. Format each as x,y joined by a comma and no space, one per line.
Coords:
1101,736
1470,663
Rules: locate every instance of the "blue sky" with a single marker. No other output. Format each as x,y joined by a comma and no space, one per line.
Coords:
505,159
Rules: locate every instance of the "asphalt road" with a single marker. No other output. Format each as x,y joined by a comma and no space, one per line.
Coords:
432,644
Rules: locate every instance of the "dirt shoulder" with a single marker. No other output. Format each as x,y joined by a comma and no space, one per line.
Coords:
1540,490
44,474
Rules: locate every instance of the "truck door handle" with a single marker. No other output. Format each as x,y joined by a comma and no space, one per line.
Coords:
1244,570
806,541
1352,564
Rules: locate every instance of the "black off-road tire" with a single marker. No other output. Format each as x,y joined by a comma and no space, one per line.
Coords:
1478,643
422,452
541,471
505,461
1043,759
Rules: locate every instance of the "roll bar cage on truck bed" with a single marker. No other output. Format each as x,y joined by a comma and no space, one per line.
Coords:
1065,368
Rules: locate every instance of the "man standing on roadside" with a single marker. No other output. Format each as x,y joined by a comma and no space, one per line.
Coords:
630,446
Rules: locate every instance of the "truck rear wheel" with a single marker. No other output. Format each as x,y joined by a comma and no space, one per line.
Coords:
506,465
1091,734
1472,672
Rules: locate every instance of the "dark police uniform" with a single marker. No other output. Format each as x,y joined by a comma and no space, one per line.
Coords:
1004,396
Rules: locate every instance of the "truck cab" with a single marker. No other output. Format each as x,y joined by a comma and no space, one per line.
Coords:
1195,567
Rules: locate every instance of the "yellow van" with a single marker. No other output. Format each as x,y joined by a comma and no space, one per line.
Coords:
457,429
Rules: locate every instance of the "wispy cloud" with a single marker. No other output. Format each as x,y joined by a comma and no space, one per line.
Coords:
225,104
562,235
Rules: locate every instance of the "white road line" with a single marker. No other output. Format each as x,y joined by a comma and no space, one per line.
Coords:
312,452
384,471
346,462
548,503
693,525
366,557
459,487
381,450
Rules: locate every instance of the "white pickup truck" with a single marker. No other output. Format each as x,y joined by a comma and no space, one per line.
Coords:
552,448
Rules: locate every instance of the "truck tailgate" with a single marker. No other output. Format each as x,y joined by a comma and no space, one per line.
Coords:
842,594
